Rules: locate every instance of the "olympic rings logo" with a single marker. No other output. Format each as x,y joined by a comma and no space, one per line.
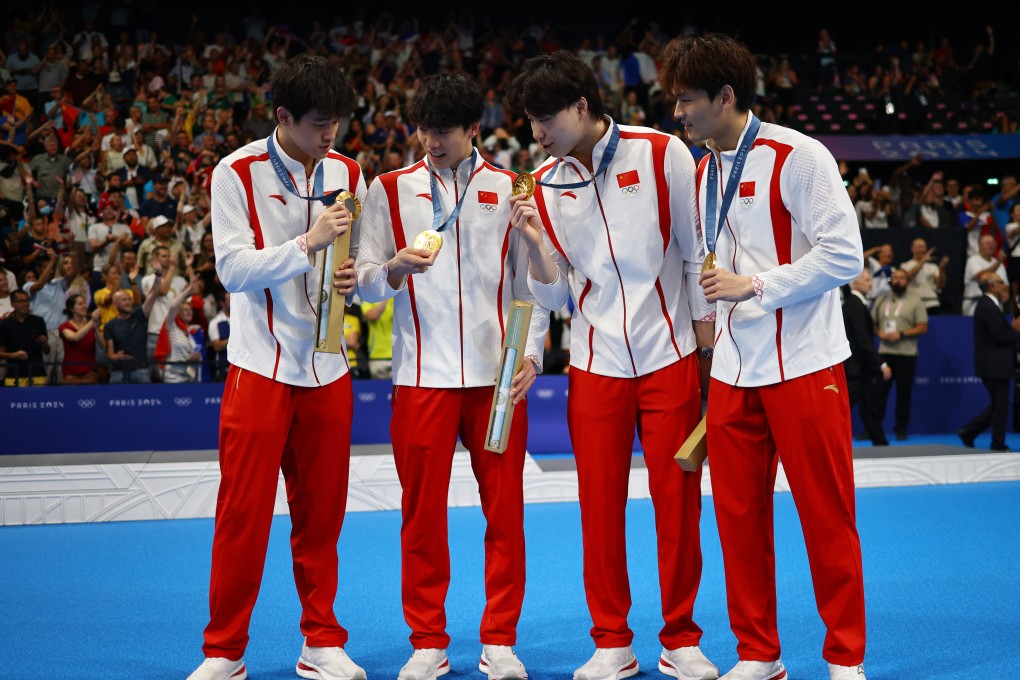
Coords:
182,401
86,403
746,202
631,190
488,207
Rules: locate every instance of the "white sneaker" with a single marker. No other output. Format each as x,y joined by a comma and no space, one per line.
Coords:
327,663
757,670
218,668
425,664
846,672
609,663
687,663
500,663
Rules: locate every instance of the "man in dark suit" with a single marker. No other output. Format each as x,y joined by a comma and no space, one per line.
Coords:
864,366
994,360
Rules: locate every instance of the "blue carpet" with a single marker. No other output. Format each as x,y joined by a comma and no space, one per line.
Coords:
128,600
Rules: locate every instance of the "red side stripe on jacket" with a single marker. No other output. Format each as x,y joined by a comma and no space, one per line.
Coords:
242,167
543,211
389,183
782,228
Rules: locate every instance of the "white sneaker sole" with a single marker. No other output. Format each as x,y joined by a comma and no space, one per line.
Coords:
310,671
674,672
630,670
483,666
443,669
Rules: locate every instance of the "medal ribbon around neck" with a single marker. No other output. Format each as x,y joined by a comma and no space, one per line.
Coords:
713,219
437,206
607,158
284,177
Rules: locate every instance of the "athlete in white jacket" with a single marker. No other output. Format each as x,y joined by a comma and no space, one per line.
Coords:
612,225
283,406
787,241
449,320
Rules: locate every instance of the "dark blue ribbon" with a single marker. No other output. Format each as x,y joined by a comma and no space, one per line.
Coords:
437,206
284,176
713,219
607,158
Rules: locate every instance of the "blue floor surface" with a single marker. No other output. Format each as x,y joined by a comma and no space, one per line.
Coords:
129,600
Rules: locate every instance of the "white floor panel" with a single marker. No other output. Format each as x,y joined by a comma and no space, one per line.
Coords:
167,490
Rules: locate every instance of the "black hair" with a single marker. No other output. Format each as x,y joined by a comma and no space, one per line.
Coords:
709,62
70,303
549,83
445,101
308,82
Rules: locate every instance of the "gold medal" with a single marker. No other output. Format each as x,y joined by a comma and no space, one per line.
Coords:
430,240
708,263
351,202
524,184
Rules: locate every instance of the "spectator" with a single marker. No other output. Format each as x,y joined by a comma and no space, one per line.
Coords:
15,104
133,177
24,67
352,338
1013,240
864,366
1003,202
995,342
900,317
78,335
379,316
926,278
977,218
932,211
953,197
6,306
48,300
113,281
162,231
160,203
176,351
49,167
23,341
126,339
219,337
879,262
168,285
492,114
826,51
105,238
985,262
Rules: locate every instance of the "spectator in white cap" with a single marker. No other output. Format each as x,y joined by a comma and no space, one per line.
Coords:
161,233
189,230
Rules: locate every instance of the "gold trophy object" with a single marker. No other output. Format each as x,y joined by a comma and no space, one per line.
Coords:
502,411
693,451
329,312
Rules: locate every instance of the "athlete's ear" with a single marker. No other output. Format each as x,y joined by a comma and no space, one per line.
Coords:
727,97
283,115
582,106
474,129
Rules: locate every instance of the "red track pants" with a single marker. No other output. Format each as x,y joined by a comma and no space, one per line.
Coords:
602,413
806,423
425,426
265,426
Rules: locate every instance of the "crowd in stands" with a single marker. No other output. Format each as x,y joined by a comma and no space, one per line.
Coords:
108,139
